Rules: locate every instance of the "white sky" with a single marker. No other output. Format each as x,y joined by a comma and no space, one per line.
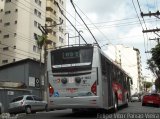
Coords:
116,22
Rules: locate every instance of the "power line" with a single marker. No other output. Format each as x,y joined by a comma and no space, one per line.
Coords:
140,12
140,24
70,22
84,23
93,23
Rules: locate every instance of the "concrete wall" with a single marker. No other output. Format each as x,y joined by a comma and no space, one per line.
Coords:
19,73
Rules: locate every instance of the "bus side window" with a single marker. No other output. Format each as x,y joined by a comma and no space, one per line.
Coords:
114,74
103,65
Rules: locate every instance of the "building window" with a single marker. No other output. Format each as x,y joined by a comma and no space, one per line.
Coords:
35,11
0,20
14,47
16,10
61,39
7,12
39,24
55,2
7,24
35,23
15,22
1,10
54,33
6,36
40,3
39,14
55,13
4,61
0,31
35,36
34,48
5,48
8,1
14,60
15,34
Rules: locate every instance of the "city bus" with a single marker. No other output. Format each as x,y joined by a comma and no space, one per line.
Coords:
83,77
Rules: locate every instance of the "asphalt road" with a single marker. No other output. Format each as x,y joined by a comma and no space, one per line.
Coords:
134,111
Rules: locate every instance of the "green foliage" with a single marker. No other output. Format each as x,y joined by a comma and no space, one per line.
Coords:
154,64
147,84
157,83
41,40
156,55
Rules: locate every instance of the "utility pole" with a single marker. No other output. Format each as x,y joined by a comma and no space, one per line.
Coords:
156,39
44,31
156,14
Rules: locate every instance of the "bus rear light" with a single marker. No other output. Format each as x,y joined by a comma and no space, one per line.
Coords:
51,90
94,88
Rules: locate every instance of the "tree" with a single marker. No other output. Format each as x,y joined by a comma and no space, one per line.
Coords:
42,42
157,84
154,64
155,55
147,85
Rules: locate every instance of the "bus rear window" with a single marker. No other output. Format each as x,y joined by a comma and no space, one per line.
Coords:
78,56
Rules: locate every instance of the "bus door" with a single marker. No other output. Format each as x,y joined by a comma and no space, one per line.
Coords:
106,83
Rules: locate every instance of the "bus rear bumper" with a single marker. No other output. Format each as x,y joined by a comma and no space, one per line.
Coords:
75,102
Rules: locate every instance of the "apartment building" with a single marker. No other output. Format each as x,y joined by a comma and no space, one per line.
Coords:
55,22
130,60
19,21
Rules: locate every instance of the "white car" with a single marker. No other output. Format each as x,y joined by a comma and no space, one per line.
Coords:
28,104
135,98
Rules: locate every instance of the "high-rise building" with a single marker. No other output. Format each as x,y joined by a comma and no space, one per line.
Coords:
130,60
55,22
19,21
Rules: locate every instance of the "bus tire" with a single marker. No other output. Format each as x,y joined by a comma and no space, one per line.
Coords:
115,106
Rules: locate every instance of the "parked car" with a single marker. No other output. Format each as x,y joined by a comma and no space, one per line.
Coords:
28,104
135,98
151,98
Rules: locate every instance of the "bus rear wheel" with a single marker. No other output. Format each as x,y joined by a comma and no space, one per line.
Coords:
115,108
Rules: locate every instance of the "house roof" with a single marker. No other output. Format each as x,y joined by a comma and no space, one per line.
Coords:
18,62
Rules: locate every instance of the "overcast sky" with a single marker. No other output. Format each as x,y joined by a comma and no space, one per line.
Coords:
116,22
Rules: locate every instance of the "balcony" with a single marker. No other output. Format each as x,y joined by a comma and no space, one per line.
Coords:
49,16
49,4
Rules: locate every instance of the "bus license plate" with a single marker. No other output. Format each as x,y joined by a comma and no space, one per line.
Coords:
72,90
